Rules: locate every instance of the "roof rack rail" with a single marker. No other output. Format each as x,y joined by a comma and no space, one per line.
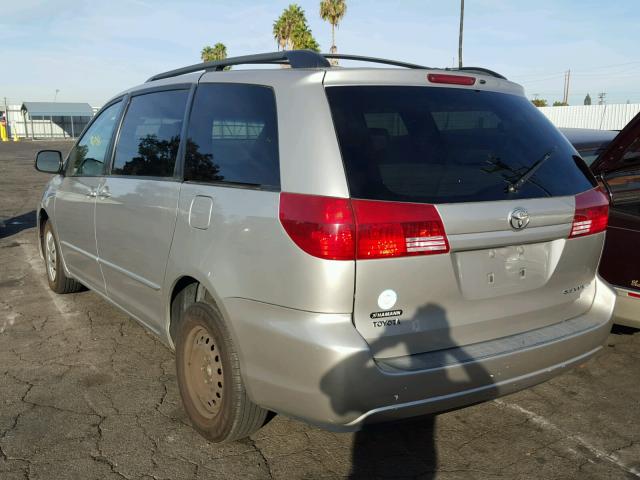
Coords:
300,59
295,58
372,60
486,71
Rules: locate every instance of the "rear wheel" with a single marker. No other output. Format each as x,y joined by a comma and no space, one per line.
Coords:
209,378
58,281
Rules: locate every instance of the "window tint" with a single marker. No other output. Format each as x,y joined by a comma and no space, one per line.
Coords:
150,134
463,120
589,154
625,184
233,136
632,154
439,145
386,123
88,156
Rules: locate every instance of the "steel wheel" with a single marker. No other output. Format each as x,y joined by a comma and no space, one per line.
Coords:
205,376
58,281
51,256
209,379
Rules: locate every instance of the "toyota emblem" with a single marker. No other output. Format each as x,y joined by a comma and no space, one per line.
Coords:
519,218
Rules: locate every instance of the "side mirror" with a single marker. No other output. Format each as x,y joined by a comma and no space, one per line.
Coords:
49,161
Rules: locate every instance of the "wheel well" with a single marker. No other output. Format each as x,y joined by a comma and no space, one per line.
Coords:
186,291
42,219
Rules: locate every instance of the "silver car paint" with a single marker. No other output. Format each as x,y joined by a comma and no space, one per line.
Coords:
135,221
74,221
317,367
247,254
292,315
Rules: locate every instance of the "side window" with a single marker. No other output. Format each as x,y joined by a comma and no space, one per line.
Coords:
150,134
633,152
624,184
88,156
233,136
625,191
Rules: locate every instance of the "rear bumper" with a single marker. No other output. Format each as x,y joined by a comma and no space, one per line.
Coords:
627,311
318,368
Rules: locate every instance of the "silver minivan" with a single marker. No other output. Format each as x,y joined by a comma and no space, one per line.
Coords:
339,245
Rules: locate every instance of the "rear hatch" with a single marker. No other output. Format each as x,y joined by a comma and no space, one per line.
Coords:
475,219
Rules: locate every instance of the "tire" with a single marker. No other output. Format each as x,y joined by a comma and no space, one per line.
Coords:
209,379
58,281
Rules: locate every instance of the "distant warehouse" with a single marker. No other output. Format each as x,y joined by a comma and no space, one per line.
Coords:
54,119
598,117
39,120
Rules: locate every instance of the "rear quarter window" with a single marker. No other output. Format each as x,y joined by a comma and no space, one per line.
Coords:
233,136
443,145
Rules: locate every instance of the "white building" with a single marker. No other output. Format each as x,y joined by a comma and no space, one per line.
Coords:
599,117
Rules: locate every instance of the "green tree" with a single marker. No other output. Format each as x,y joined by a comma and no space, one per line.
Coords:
539,102
292,31
333,11
211,54
558,103
587,99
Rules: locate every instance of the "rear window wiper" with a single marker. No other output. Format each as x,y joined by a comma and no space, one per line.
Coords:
522,179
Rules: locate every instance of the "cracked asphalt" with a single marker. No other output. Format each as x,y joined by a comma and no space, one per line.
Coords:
87,393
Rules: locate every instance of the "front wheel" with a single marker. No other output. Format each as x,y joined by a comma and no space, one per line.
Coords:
211,387
58,281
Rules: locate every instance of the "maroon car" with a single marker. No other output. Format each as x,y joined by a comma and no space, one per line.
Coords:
615,160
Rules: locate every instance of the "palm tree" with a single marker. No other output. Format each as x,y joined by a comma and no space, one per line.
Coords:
280,33
217,52
333,11
302,38
291,30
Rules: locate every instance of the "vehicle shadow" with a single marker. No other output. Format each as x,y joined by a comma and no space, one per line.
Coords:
11,226
405,448
623,330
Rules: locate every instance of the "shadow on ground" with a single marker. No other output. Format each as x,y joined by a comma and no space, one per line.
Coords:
11,226
406,448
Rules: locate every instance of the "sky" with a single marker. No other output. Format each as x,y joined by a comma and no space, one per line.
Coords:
90,51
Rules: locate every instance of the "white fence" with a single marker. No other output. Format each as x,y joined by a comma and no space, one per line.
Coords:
599,117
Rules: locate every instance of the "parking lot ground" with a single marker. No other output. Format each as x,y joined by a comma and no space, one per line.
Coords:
86,393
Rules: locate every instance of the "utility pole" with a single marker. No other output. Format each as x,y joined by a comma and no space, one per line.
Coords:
55,97
601,96
567,77
460,36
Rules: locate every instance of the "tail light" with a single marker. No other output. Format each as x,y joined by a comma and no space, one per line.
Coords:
592,213
343,229
321,226
395,229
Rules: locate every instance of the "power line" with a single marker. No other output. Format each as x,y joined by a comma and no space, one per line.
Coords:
586,72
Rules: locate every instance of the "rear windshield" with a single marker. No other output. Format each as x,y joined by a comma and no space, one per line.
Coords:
445,145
